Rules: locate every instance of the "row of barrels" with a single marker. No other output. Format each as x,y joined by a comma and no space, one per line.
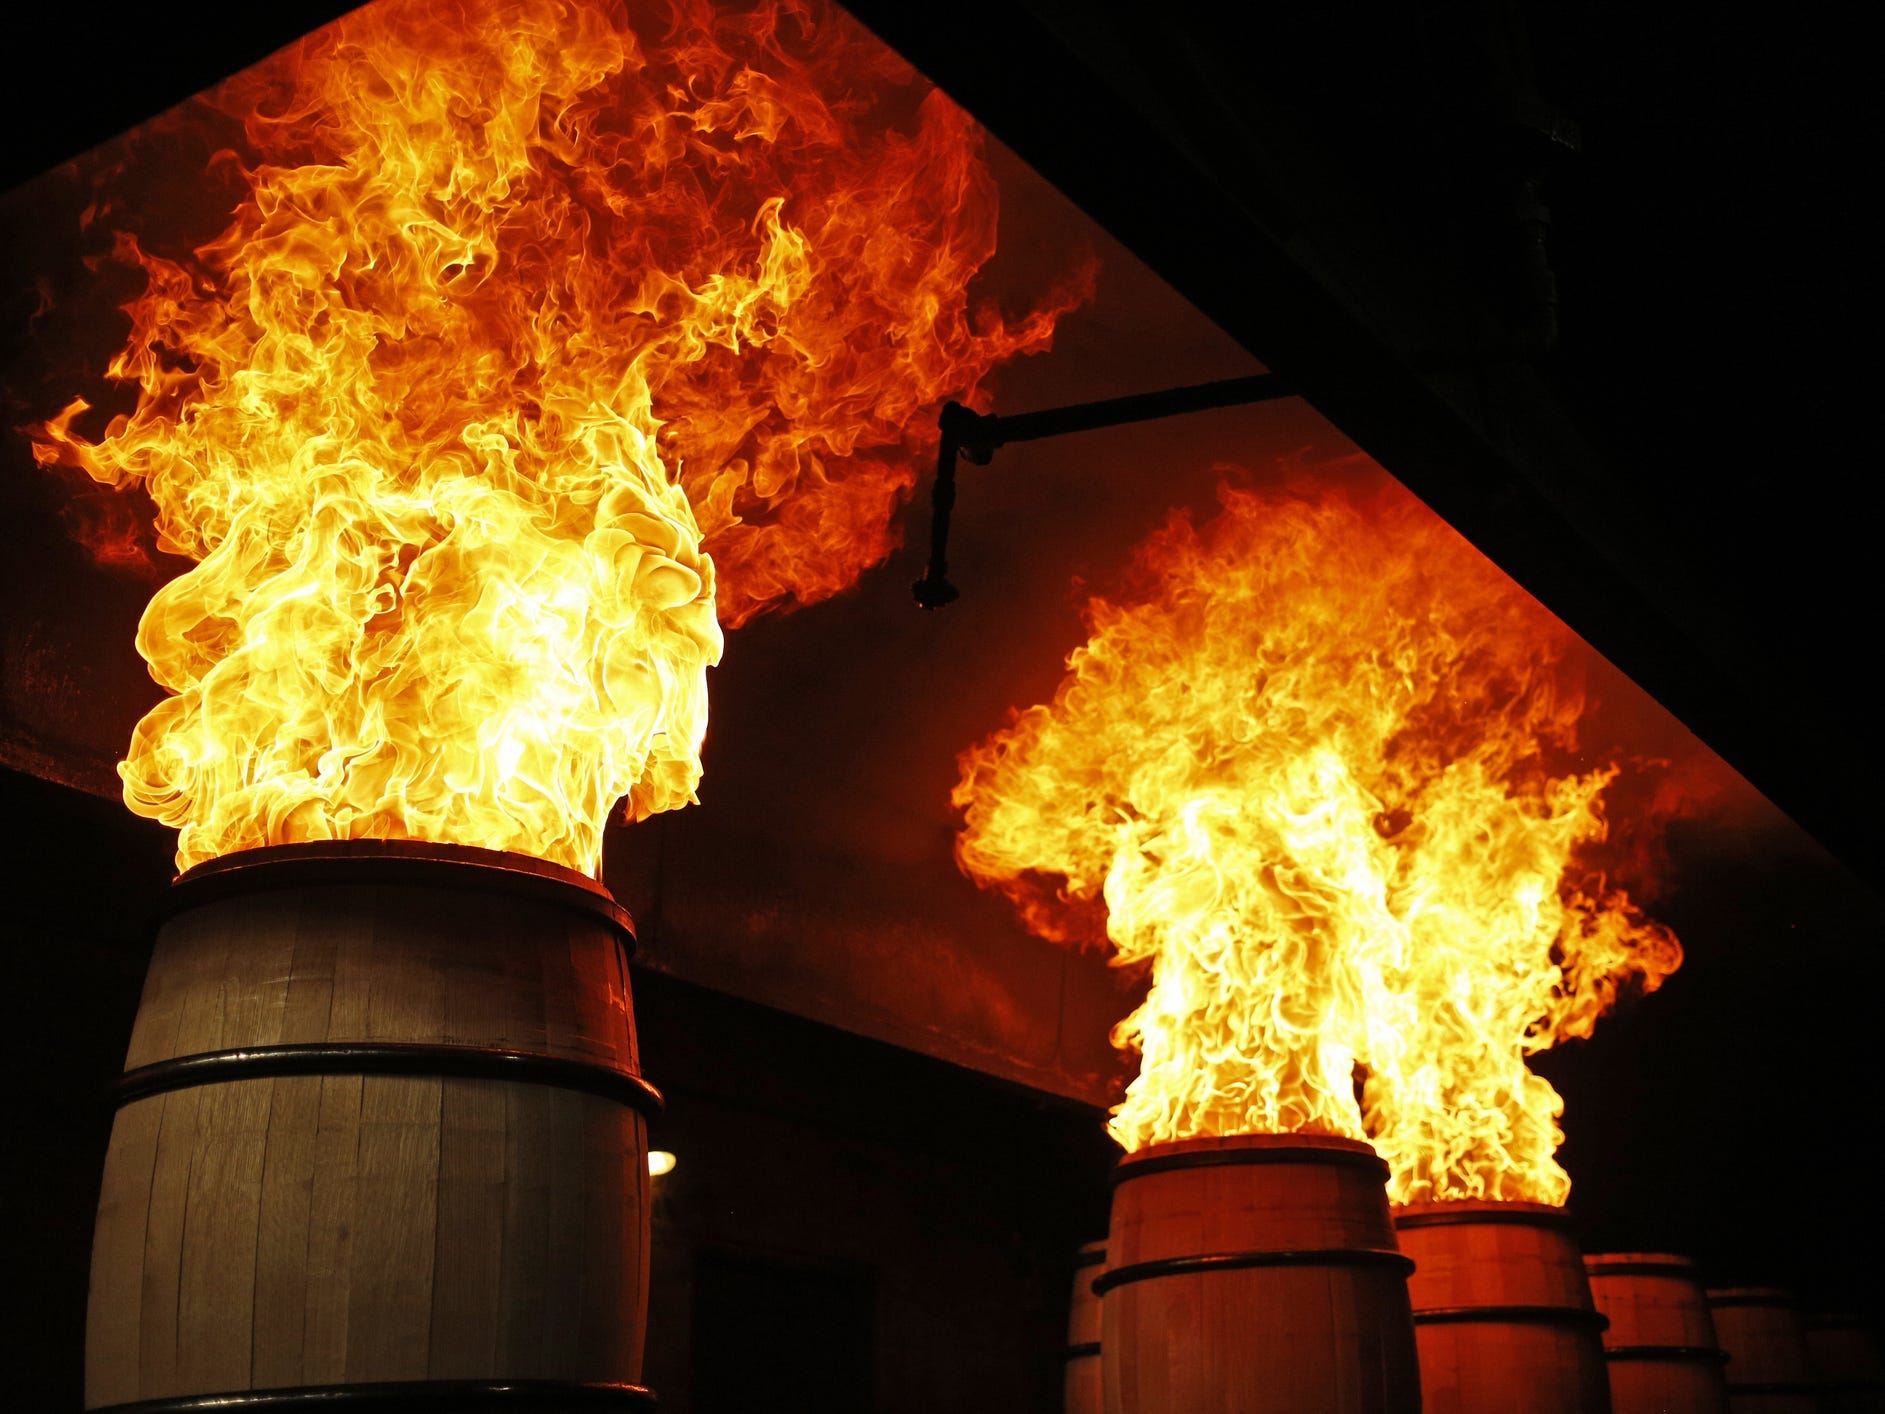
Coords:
1267,1272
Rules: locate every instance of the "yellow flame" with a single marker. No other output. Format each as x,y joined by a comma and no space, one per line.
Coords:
1312,766
528,307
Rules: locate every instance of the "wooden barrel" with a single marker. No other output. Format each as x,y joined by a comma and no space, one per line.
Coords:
1255,1273
1083,1390
380,1143
1661,1346
1842,1358
1759,1328
1502,1310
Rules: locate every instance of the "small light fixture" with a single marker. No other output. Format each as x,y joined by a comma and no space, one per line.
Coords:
660,1161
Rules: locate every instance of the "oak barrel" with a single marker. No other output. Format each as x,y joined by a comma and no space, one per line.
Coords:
1759,1328
1255,1273
380,1143
1661,1346
1082,1388
1842,1358
1502,1310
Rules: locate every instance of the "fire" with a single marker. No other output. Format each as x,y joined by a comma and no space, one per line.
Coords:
530,313
1314,765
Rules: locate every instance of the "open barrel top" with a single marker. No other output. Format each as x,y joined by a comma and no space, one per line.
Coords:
1479,1210
415,862
1322,1150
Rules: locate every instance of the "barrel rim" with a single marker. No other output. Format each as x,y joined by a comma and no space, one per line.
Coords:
1130,1272
1450,1212
412,862
400,1058
392,1396
1698,1354
1576,1316
1638,1263
1238,1150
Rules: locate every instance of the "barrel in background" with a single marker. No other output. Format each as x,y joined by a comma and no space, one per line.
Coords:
1759,1328
1503,1310
1255,1272
1842,1358
381,1135
1660,1347
1084,1394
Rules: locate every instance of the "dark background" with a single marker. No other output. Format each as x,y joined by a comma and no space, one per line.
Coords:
1682,476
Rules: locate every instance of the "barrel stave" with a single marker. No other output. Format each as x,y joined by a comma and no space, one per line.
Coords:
1661,1345
1502,1310
448,1209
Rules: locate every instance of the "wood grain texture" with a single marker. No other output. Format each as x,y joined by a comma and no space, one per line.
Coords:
307,1230
1083,1386
1502,1255
1325,1336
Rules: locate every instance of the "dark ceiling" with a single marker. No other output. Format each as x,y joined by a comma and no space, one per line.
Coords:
1681,477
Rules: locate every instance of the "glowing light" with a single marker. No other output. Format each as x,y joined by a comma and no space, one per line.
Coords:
660,1162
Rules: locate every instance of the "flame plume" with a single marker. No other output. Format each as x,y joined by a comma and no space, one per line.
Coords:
530,310
1311,765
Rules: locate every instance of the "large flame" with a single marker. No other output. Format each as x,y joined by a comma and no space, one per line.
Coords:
1315,765
528,309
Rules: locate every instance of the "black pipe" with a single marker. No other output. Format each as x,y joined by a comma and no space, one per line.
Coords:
977,435
984,432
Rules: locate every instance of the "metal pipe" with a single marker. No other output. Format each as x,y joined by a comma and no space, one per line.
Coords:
977,435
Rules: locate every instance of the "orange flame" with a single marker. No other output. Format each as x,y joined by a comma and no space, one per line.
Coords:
528,309
1311,766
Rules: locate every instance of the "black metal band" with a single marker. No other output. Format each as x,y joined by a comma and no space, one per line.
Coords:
1237,1261
1479,1211
1571,1316
1314,1157
1081,1351
1701,1354
412,862
386,1058
1676,1268
1090,1259
399,1396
